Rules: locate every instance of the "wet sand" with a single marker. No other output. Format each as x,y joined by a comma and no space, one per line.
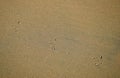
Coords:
59,39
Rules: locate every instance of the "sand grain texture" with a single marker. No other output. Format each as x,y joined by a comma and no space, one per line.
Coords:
59,39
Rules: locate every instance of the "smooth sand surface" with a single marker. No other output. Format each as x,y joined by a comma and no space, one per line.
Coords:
59,39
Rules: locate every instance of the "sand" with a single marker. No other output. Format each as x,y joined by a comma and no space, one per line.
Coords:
59,39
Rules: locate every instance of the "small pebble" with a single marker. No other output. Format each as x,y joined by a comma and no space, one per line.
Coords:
101,57
96,64
19,22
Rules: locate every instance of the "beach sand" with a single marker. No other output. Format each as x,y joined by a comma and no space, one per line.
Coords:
59,39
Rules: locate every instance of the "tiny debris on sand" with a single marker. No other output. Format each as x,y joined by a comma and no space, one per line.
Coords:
55,39
101,57
96,64
93,57
19,22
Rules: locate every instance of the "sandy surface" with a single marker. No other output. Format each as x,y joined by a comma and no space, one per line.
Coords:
59,39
